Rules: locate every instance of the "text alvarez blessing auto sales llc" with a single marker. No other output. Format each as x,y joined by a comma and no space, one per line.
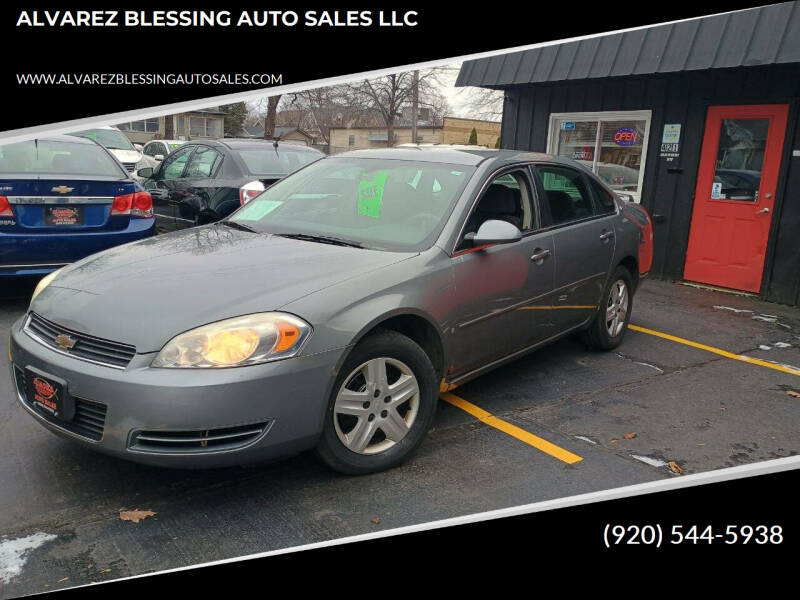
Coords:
217,18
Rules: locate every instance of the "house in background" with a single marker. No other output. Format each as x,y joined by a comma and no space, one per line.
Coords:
343,139
287,134
457,131
193,125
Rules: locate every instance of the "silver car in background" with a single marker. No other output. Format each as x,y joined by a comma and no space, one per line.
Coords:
330,310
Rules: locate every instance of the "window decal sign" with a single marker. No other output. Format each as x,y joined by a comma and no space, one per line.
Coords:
370,195
625,136
671,141
254,211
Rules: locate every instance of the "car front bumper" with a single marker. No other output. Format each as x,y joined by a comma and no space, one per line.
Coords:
285,400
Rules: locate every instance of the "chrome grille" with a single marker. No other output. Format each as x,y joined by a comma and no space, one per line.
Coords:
203,440
89,420
86,347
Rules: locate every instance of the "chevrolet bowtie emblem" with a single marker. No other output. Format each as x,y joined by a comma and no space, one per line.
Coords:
65,342
63,189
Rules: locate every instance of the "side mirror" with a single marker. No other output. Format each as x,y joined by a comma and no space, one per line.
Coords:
138,147
495,232
159,157
145,173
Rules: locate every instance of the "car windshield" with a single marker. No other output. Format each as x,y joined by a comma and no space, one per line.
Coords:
276,161
57,158
381,204
113,139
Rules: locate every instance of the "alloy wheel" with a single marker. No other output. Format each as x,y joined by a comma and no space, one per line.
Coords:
617,308
376,406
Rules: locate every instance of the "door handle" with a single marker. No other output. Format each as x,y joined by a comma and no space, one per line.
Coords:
606,234
763,211
539,255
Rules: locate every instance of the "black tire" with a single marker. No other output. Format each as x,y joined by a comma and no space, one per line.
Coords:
394,346
598,336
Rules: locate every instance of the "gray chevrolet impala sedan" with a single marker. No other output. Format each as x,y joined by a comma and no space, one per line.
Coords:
329,311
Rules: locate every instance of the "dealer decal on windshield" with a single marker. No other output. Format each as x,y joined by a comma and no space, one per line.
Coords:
370,195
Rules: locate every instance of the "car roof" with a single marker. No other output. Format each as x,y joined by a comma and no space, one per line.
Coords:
71,138
168,141
453,154
236,143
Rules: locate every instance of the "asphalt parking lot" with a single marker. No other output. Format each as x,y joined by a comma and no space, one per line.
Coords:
559,422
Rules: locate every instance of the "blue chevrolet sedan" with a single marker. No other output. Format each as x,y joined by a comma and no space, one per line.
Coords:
63,198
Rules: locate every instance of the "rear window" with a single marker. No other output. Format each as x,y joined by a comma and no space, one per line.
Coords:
57,158
113,139
271,161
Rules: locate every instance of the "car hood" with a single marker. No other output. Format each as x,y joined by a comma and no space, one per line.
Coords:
144,293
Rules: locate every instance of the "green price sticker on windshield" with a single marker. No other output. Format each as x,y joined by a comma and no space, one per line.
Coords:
370,195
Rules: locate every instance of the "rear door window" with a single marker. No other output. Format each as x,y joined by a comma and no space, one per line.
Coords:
567,197
604,198
203,163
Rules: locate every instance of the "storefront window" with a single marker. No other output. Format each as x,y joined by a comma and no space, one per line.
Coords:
611,144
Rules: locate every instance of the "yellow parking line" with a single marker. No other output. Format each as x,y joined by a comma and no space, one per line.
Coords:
512,430
725,353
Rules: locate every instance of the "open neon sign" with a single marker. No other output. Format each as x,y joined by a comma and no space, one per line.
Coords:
625,136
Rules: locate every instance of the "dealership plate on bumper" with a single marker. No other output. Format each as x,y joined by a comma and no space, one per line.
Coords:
63,215
49,394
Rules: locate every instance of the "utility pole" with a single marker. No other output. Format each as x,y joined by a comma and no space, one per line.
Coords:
414,107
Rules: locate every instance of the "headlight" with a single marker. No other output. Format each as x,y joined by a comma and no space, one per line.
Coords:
237,342
44,283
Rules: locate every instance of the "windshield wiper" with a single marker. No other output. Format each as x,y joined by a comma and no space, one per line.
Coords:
322,239
237,225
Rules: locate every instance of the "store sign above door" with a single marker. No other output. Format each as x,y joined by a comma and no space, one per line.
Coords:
625,136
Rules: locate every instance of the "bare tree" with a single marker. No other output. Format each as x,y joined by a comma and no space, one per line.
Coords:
483,103
390,93
269,118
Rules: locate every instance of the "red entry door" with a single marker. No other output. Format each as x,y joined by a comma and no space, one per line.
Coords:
735,196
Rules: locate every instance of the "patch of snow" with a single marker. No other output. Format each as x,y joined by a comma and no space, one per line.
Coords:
648,460
736,310
765,318
14,553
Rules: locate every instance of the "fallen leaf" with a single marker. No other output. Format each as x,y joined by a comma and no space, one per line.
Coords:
630,436
793,394
135,515
105,571
376,520
614,440
63,580
674,467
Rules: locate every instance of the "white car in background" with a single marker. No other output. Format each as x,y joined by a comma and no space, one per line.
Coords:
156,150
118,144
